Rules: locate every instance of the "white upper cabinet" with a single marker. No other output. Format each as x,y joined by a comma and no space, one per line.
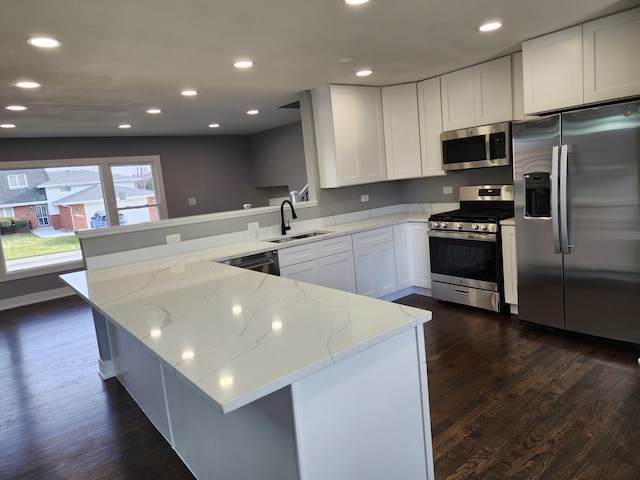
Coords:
430,119
585,64
401,131
477,95
610,54
458,105
349,135
552,71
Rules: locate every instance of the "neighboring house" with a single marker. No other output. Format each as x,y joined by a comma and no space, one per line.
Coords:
75,210
66,199
21,196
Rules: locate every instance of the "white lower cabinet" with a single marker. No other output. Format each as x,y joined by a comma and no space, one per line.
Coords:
338,271
305,272
420,263
327,262
375,261
411,245
510,264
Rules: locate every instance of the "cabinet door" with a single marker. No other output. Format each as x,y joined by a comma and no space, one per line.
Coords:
458,106
305,272
401,132
552,71
403,252
338,271
370,136
510,264
492,91
430,121
365,264
421,266
346,134
385,269
611,66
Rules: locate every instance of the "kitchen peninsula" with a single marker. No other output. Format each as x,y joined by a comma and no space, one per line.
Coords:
250,375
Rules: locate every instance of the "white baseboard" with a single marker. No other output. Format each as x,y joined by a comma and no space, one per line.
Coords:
37,297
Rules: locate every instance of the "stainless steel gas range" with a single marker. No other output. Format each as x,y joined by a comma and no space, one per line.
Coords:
465,248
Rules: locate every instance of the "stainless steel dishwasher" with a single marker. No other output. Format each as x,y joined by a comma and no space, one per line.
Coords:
265,262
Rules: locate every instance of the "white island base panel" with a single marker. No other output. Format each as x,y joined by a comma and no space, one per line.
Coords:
366,416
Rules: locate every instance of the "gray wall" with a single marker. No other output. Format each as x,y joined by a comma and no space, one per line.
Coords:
213,169
429,190
277,158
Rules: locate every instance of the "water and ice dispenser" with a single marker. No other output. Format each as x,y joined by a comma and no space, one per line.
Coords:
537,196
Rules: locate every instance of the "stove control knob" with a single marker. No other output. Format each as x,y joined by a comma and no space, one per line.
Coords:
435,225
458,226
483,227
443,225
474,226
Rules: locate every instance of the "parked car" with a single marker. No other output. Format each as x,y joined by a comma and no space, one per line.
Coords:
99,220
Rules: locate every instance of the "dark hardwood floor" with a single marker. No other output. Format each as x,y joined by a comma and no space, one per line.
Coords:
507,401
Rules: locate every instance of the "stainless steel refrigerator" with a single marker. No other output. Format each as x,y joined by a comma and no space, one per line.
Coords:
577,212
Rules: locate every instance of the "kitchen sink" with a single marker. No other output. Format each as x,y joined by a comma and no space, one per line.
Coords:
297,237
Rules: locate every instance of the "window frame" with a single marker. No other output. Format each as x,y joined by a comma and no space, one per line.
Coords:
104,166
18,185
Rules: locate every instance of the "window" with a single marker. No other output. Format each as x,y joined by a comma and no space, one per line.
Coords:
66,196
17,181
6,212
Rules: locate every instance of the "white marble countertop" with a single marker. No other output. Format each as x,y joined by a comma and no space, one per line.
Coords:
234,334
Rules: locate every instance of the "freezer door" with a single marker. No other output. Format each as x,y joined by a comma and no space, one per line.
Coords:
602,270
539,266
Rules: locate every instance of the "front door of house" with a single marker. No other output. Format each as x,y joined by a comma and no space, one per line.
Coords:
43,215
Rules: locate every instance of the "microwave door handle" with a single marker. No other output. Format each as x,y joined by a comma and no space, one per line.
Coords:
555,219
564,213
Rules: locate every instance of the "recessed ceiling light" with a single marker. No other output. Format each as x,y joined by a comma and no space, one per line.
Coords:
189,93
364,73
243,64
44,42
27,84
214,125
253,112
355,2
490,26
124,125
15,108
7,125
154,111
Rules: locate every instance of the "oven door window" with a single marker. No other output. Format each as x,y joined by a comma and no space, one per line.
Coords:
471,259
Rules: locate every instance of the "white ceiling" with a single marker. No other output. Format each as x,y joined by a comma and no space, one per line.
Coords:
120,57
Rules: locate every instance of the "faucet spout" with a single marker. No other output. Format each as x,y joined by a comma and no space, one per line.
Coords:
286,227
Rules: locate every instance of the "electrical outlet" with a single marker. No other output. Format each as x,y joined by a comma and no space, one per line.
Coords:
173,238
364,198
447,190
192,201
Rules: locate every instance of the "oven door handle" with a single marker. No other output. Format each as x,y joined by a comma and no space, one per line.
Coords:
483,237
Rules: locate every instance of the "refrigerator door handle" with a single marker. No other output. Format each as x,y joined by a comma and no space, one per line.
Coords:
564,219
555,218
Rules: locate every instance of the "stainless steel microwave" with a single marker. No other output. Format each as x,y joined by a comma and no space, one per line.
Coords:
477,147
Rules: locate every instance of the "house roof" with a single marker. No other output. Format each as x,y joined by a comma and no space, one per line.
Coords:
94,194
72,177
23,196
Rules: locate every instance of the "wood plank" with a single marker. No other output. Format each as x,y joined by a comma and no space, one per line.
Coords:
507,401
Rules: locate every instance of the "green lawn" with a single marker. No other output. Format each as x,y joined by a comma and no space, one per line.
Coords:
25,245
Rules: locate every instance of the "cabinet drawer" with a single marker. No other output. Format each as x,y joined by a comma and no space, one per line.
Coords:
331,246
297,254
372,237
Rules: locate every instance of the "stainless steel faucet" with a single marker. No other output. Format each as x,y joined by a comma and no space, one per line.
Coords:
286,227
